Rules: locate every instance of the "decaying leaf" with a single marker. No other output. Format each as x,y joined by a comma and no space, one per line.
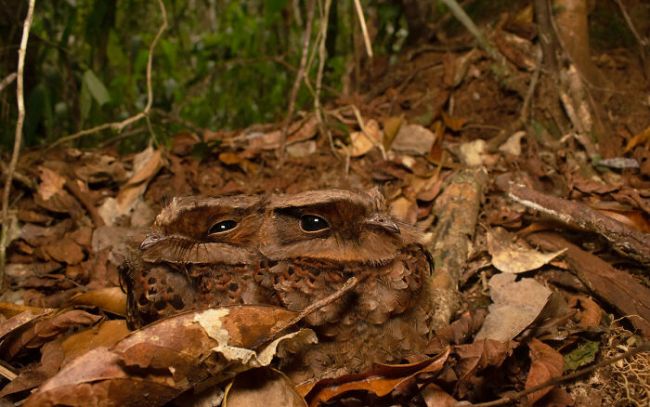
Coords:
413,139
45,328
146,164
111,299
391,127
513,144
582,355
104,334
380,381
155,364
516,304
262,387
364,141
546,364
479,355
512,256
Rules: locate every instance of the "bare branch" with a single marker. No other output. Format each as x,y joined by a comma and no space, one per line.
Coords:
7,80
299,77
20,99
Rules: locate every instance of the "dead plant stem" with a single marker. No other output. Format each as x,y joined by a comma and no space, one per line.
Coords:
299,77
322,57
20,100
364,28
7,80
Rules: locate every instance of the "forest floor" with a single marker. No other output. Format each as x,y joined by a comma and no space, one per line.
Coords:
565,226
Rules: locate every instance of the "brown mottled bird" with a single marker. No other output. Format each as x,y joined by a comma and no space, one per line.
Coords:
202,252
314,242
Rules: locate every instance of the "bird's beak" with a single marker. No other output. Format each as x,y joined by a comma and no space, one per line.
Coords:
383,222
149,241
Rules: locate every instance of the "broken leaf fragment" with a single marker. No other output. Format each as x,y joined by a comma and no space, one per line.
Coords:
516,304
512,256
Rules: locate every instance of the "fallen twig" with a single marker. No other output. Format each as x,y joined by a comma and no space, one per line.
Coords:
457,209
349,285
20,100
625,240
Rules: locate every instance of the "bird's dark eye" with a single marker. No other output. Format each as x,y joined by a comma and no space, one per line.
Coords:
313,223
223,226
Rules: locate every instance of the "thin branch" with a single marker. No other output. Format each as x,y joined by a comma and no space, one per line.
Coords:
299,77
119,126
467,22
364,28
20,99
349,285
322,57
7,81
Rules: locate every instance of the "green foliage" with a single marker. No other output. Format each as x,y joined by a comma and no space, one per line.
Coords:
220,64
582,355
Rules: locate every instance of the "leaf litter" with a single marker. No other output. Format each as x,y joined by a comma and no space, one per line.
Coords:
551,299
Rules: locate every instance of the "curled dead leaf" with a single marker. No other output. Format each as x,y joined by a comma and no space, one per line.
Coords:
111,299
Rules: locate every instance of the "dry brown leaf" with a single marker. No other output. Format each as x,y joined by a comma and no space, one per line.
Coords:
146,164
435,396
640,138
380,381
634,219
474,153
512,256
590,314
10,309
230,158
364,141
515,306
44,329
453,123
546,364
64,250
111,299
153,365
513,144
20,320
104,334
262,387
479,355
302,149
413,139
51,183
391,128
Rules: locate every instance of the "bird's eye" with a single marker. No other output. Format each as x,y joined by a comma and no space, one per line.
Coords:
313,223
223,226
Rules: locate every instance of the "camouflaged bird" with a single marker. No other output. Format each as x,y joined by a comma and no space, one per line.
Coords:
313,243
202,252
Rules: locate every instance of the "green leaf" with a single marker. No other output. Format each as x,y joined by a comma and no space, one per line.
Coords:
580,356
96,88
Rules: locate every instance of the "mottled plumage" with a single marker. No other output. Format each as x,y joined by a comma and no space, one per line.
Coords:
202,252
314,242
